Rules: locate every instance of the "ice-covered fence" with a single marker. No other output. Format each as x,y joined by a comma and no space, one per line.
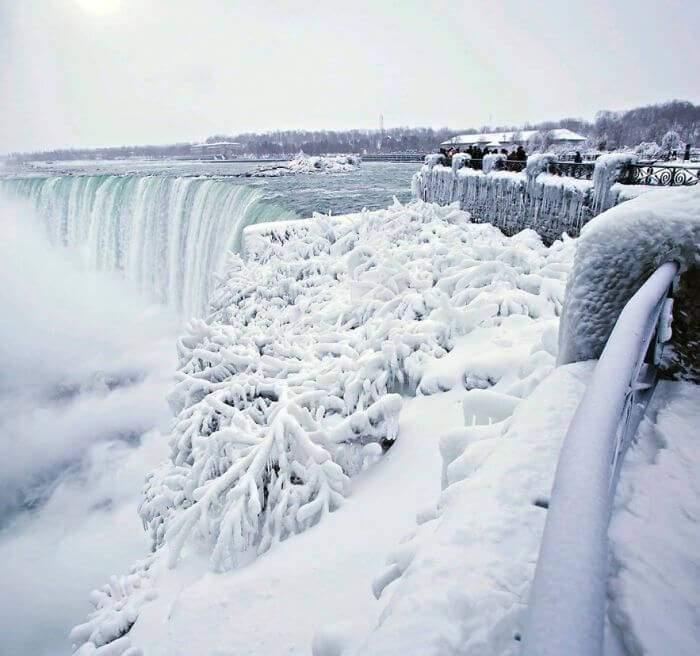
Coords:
567,601
535,198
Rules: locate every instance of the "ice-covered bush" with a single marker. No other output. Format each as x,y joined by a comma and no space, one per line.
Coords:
294,377
460,160
492,160
435,159
116,607
539,163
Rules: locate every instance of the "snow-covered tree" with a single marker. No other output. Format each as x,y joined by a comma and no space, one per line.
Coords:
535,143
671,142
648,150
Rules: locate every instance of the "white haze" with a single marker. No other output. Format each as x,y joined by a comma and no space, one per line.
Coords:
101,72
86,366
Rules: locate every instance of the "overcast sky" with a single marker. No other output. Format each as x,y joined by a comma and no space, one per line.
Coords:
111,72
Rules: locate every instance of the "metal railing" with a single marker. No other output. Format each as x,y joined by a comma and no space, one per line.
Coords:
567,601
644,173
394,157
661,174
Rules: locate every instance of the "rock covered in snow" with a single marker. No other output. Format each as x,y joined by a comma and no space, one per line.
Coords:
311,164
617,252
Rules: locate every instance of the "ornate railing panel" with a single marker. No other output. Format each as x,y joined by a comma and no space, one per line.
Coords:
662,175
511,165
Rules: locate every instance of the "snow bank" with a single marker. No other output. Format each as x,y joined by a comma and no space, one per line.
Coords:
655,529
466,571
616,253
294,384
311,164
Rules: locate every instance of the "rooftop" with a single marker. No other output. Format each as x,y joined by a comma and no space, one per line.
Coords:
560,134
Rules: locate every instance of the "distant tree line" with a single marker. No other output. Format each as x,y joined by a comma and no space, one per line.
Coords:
609,131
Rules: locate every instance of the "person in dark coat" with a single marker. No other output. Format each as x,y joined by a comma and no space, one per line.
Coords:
577,157
520,152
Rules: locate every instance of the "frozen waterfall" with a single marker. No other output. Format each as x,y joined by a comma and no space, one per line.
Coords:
166,234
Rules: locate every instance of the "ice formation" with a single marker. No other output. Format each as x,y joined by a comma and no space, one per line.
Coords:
550,204
319,334
539,163
294,382
311,164
607,172
616,253
491,162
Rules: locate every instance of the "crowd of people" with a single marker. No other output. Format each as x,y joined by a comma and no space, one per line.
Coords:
477,154
515,155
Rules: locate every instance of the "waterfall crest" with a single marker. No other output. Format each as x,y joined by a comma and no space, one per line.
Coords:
168,235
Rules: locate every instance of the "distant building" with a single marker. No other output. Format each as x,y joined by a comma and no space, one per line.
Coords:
510,140
217,150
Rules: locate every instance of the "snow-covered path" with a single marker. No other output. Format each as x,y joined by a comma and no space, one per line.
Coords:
655,531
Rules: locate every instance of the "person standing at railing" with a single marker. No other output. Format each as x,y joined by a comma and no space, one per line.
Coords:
478,156
577,157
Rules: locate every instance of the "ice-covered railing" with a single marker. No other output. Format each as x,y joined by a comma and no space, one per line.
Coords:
567,602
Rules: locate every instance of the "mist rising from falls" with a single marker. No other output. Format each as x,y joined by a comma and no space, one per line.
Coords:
168,235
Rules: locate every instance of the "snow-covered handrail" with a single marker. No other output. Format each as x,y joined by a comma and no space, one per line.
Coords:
567,601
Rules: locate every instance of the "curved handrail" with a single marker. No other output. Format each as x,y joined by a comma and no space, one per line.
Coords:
567,601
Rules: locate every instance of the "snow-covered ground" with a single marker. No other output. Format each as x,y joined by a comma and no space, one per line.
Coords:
655,531
310,164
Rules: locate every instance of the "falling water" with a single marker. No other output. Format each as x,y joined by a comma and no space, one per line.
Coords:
166,234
